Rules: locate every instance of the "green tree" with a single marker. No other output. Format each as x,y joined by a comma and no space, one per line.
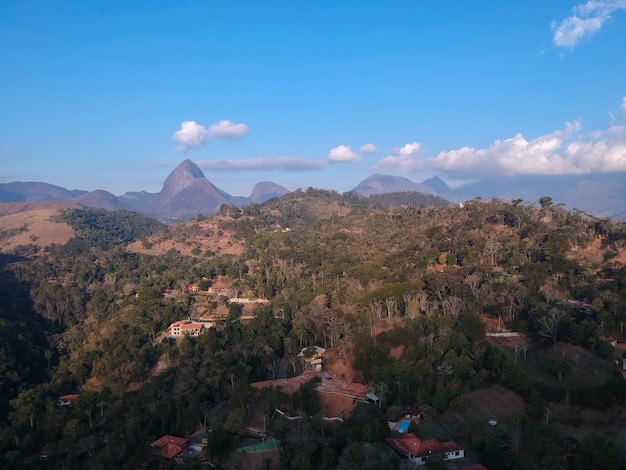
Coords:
471,326
545,201
559,368
219,443
27,406
86,404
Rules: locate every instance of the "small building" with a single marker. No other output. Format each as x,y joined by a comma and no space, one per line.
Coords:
192,288
170,446
185,328
68,400
419,451
372,397
314,356
609,339
217,289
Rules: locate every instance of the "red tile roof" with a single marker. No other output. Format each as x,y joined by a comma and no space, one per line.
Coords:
186,325
413,445
69,399
170,446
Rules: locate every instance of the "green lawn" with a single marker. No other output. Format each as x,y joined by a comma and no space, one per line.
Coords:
430,431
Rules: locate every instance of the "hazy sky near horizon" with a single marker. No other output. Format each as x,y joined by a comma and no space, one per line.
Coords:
113,95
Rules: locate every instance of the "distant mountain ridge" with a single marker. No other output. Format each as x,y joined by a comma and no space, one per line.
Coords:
102,200
18,191
381,184
186,193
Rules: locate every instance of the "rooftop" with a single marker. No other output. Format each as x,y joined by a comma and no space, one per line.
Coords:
411,444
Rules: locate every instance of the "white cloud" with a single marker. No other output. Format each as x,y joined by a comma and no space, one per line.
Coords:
605,154
623,106
561,152
401,158
342,153
586,19
191,135
264,164
227,129
369,148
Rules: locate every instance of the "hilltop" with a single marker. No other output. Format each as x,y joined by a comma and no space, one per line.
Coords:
406,301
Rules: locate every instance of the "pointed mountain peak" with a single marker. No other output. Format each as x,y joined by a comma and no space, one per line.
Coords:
437,184
187,166
182,177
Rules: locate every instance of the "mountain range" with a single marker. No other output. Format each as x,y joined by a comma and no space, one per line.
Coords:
187,193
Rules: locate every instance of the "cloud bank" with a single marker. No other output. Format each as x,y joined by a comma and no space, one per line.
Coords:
563,152
586,19
339,154
263,164
401,158
566,151
193,135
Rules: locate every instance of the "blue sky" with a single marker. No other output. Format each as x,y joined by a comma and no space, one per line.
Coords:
114,94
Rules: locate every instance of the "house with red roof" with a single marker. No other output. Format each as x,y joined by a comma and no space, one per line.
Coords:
170,446
217,289
185,327
68,400
419,451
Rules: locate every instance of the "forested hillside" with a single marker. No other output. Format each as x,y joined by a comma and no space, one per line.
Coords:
510,307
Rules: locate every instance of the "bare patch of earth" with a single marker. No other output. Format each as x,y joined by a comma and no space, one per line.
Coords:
33,227
338,363
8,208
338,398
206,238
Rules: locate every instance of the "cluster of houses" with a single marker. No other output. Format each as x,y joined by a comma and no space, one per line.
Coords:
64,281
217,289
407,444
418,451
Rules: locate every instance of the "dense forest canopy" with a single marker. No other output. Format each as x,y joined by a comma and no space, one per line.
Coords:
400,289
